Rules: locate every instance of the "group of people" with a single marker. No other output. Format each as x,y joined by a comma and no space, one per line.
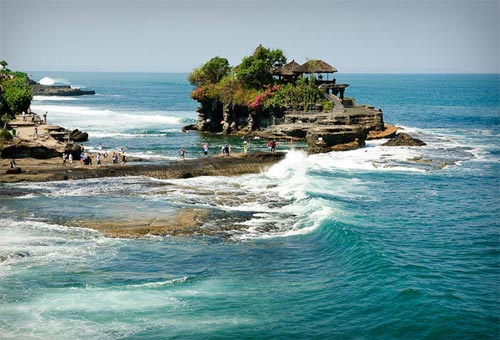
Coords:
272,145
33,116
226,149
86,158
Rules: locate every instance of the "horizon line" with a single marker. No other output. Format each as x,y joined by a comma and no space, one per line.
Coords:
187,72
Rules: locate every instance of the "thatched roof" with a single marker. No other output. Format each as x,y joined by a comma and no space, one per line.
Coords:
287,70
315,66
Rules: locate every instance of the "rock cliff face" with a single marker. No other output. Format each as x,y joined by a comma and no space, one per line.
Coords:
33,149
344,127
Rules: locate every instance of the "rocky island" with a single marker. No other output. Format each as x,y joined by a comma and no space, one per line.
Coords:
267,97
57,90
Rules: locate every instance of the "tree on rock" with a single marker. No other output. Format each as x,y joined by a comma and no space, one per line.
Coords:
211,72
255,70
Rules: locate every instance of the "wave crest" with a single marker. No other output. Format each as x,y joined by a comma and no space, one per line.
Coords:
53,81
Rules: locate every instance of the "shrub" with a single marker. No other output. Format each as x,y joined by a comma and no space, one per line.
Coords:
17,95
212,72
5,135
327,105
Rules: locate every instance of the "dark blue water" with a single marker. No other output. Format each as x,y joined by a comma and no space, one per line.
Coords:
375,243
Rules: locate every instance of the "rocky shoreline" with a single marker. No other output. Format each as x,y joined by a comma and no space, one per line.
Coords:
39,157
36,170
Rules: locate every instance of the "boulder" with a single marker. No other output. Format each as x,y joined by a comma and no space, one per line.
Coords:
403,139
78,136
13,171
191,127
356,144
336,138
73,149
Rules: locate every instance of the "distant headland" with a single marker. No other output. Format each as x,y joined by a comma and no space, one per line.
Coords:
57,90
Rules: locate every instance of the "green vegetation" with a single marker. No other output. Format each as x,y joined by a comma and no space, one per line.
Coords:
5,135
15,91
211,73
255,70
251,84
5,120
15,97
302,95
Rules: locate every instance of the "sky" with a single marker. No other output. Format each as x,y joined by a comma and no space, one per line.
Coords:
355,36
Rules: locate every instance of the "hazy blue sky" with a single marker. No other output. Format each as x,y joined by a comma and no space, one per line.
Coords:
177,35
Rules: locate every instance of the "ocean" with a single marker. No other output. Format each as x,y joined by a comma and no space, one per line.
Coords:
375,243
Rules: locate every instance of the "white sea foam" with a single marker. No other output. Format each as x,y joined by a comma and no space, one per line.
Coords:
158,283
300,179
106,122
53,81
133,135
152,156
284,201
28,243
53,98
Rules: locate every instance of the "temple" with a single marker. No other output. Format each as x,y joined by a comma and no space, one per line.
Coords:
321,70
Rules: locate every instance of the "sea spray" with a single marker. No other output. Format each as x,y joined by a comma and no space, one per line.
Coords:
53,81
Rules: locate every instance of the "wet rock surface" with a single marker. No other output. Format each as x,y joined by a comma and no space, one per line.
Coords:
403,139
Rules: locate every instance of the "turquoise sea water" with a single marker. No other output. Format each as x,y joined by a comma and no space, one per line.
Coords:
376,243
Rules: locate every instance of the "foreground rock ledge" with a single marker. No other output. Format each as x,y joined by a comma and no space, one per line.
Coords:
52,170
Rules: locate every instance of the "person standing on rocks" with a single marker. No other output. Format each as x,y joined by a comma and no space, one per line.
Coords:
70,157
45,117
182,152
36,132
24,116
64,159
245,147
205,149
